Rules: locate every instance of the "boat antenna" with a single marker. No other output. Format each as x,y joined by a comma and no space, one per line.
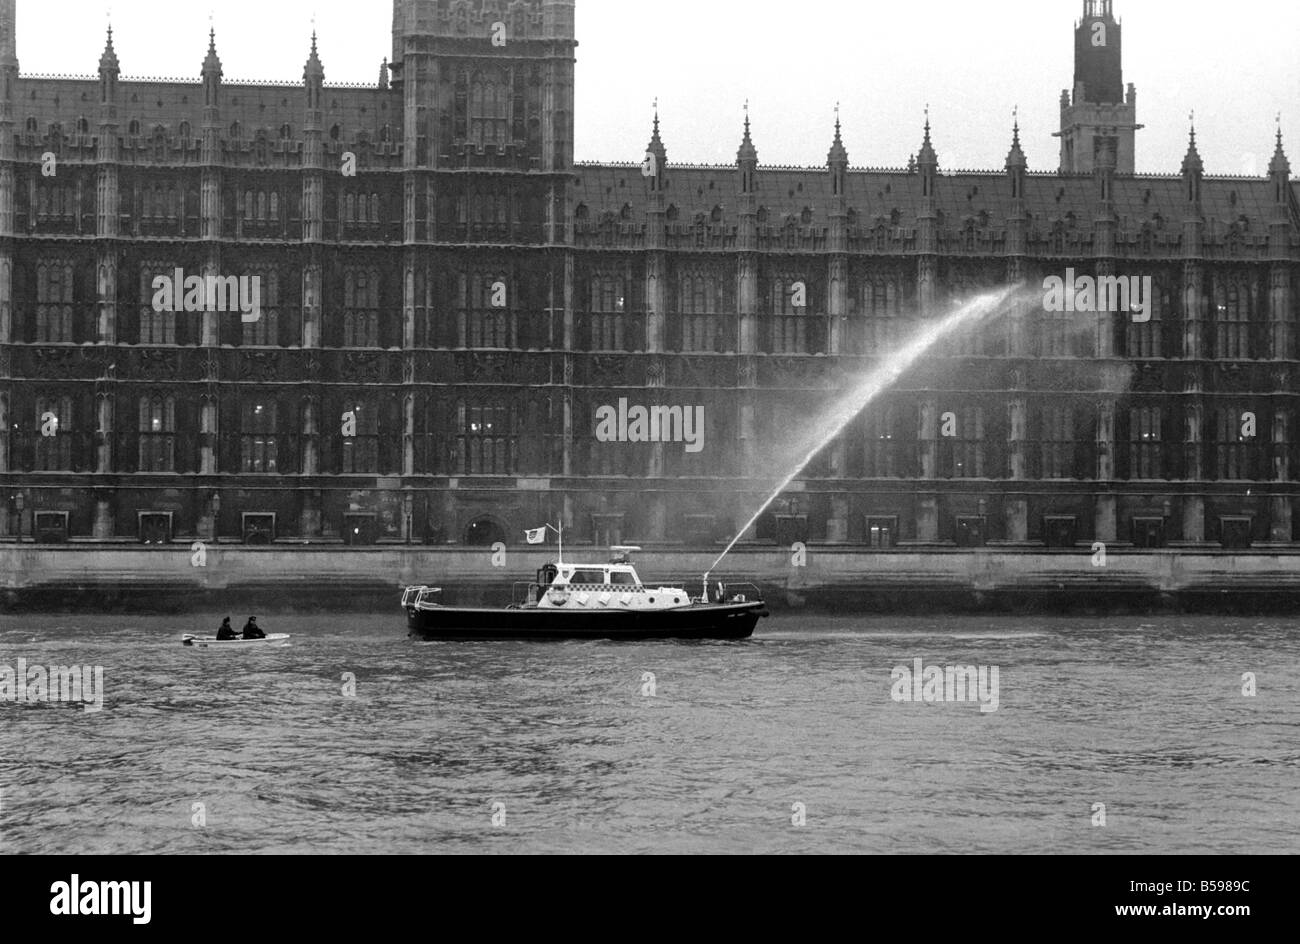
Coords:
560,532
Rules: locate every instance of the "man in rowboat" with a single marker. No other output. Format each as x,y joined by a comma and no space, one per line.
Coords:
252,630
226,631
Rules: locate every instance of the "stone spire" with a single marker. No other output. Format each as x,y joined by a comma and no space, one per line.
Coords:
748,154
837,161
1016,157
108,72
838,155
1192,163
927,157
211,77
313,70
1279,166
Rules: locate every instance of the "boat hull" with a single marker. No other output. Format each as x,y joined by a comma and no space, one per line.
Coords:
212,642
699,621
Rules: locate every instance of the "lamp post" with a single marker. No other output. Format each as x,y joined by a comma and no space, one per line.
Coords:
19,502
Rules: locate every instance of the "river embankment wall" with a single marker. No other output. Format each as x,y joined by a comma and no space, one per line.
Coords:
833,578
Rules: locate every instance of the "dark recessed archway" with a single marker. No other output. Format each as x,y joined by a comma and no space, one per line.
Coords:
484,532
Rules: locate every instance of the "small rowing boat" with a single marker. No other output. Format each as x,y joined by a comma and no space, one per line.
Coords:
212,642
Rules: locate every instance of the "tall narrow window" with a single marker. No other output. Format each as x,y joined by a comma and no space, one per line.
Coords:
361,451
481,321
157,327
1145,443
264,285
157,434
883,445
882,317
700,296
608,313
489,116
789,321
1232,296
487,441
961,456
54,289
54,430
1145,337
1057,443
258,435
1233,449
360,307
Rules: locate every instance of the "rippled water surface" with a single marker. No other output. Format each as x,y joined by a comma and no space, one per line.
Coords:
1146,716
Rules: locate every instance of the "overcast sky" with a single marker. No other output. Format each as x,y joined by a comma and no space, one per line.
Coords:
1237,64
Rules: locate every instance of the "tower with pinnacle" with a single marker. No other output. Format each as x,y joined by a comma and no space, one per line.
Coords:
1098,115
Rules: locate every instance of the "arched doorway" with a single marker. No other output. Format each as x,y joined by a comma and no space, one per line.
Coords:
484,532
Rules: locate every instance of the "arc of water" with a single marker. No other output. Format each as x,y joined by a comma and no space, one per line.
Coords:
872,386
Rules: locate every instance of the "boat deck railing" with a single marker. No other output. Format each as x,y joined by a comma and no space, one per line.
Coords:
415,596
741,593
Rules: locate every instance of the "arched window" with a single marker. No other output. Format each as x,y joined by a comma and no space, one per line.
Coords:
360,307
157,434
54,300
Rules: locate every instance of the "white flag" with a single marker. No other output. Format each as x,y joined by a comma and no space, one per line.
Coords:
536,535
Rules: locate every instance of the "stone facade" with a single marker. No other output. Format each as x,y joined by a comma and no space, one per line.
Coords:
448,302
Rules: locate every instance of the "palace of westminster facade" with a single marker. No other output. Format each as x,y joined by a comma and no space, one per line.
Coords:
448,301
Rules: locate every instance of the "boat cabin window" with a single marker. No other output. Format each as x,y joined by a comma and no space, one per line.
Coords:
588,576
623,578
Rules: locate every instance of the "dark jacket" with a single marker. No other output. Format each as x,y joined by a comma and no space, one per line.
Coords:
227,631
253,631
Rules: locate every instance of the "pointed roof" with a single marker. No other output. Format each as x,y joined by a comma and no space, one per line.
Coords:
212,64
383,74
656,145
1016,157
838,155
1192,163
108,61
1279,165
313,69
927,157
748,154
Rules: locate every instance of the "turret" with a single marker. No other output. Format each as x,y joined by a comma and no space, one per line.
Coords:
1279,172
1193,171
656,150
927,162
108,73
1098,110
313,78
1098,64
747,159
1017,166
211,80
837,161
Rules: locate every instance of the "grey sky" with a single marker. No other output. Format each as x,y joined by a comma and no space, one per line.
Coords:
1236,64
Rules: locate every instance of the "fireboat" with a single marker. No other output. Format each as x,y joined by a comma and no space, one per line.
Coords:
591,601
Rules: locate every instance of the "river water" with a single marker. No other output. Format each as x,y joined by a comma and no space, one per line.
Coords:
789,742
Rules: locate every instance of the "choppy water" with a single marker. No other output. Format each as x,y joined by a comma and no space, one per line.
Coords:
1144,715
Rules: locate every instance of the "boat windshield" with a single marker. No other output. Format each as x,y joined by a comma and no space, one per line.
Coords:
588,576
623,578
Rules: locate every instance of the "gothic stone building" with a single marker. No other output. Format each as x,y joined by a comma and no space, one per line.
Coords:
440,328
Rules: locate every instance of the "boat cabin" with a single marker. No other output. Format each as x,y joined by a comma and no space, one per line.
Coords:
614,585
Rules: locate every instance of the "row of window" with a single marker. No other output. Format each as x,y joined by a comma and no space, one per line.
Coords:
972,442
